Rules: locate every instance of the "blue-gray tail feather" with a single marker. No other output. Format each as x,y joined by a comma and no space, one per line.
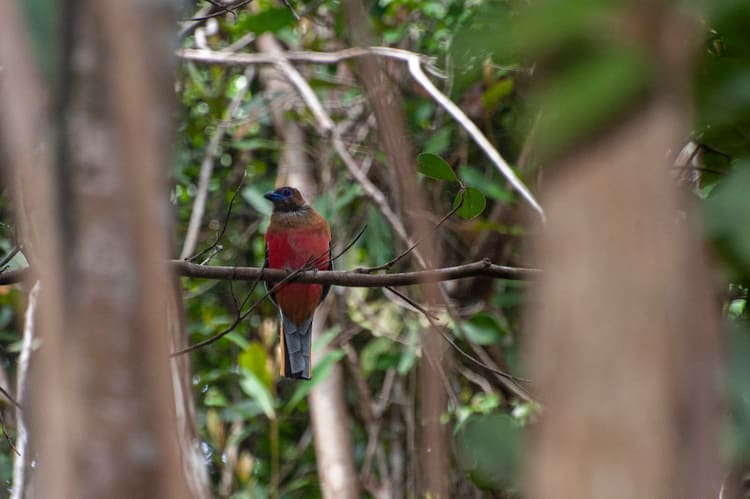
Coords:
297,343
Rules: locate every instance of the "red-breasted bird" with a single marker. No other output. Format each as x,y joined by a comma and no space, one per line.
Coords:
297,236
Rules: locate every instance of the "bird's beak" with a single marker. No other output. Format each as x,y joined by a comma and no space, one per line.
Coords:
272,196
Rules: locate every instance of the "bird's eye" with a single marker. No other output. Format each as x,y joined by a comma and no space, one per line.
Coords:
286,192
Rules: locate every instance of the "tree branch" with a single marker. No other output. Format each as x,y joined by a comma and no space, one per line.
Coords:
356,279
207,168
350,279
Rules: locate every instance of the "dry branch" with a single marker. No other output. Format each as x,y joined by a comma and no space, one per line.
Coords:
414,62
351,279
357,279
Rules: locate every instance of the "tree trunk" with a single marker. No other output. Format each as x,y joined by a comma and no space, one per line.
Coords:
628,379
102,416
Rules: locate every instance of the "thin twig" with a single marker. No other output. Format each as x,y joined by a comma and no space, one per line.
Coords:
207,167
20,464
433,321
224,9
223,227
186,27
346,248
7,437
289,6
10,398
413,304
394,261
371,423
7,258
240,317
292,458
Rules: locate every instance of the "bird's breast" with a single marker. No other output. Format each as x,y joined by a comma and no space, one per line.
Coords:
296,248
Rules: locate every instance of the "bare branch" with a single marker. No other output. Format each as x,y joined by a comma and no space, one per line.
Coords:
7,258
20,464
352,279
223,9
207,168
216,248
355,279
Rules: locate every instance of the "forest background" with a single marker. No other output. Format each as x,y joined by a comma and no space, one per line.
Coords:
597,154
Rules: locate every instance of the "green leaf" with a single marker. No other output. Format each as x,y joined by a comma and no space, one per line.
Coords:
255,359
433,166
473,203
215,398
255,144
738,393
407,360
325,338
483,329
489,185
376,348
237,339
490,450
254,387
378,238
439,142
496,93
265,20
727,218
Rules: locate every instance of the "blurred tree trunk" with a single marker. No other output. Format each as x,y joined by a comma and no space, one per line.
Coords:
102,419
624,347
331,426
28,167
328,411
387,104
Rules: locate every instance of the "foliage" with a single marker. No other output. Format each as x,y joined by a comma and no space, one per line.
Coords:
489,48
237,378
722,125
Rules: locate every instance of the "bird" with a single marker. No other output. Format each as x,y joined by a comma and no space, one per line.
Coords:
297,236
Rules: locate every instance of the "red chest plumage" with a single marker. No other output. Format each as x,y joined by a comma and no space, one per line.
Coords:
294,248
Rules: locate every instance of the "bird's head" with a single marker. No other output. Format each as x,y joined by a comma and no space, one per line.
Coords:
286,199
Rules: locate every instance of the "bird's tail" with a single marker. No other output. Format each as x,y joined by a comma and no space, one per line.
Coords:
296,342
